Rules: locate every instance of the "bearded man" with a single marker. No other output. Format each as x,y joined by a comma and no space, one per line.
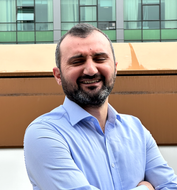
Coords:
85,144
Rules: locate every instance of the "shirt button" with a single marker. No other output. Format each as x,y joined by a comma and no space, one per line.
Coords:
112,165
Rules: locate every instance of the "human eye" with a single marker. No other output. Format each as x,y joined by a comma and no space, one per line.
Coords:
100,59
77,62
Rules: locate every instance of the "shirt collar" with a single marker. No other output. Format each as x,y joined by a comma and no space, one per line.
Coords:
77,113
113,114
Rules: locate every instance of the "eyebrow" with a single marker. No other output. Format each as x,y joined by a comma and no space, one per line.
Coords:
82,56
100,54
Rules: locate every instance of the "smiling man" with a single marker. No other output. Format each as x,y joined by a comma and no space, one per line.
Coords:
85,144
87,72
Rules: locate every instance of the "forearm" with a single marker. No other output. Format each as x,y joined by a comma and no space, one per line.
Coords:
143,185
147,184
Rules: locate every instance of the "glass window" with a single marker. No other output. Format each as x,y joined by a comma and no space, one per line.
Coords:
44,10
111,34
169,34
88,13
92,23
44,36
7,36
150,1
132,25
63,32
7,11
132,10
25,2
169,24
25,13
25,36
44,26
151,12
26,42
69,11
107,25
25,26
106,10
169,9
169,40
132,34
67,26
151,25
7,27
151,34
88,2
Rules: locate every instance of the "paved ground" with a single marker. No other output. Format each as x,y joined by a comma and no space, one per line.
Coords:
13,174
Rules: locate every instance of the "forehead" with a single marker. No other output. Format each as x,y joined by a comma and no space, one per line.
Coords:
94,42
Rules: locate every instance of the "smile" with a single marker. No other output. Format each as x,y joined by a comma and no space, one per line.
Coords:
90,81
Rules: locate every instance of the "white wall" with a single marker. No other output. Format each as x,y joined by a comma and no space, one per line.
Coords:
170,155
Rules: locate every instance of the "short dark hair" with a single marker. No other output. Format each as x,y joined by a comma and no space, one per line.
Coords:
81,30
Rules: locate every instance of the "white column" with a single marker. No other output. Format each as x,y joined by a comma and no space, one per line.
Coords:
56,21
120,20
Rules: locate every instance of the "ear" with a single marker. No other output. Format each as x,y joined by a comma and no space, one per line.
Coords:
57,75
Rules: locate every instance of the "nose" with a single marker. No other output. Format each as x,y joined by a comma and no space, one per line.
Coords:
90,68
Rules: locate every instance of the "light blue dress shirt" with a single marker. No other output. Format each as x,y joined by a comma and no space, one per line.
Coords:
66,149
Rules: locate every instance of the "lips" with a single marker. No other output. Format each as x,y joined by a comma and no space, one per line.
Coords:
90,81
87,80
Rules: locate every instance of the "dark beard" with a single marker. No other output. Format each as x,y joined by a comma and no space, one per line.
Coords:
88,99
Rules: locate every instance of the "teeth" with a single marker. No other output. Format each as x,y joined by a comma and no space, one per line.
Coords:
89,82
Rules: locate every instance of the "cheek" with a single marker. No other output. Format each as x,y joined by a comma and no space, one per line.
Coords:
107,71
72,74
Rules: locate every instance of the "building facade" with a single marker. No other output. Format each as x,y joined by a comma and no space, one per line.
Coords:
45,21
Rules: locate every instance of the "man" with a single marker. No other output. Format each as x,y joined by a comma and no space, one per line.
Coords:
85,144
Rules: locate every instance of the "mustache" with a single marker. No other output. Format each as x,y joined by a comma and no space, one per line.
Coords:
90,77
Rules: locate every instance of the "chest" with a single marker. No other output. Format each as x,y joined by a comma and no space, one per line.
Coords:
111,160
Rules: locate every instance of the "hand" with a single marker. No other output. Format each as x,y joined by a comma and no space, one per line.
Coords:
147,184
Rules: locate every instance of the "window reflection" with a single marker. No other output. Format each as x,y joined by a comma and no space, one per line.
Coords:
107,25
44,10
44,26
88,2
25,2
88,14
106,10
25,14
156,20
25,26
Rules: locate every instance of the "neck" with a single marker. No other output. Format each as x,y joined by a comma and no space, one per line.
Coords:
100,113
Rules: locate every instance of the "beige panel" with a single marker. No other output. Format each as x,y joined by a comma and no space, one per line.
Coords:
40,58
146,56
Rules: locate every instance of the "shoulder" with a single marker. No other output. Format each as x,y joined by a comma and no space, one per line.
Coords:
130,121
50,121
133,126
